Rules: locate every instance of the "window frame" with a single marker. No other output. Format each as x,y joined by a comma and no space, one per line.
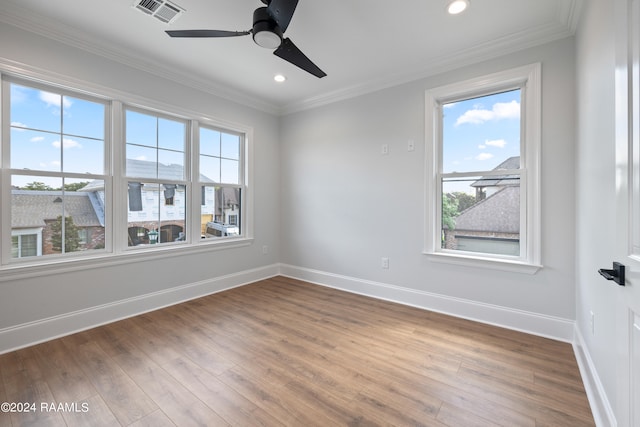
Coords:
528,79
116,250
6,80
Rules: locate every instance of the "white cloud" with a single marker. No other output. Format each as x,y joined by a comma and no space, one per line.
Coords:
141,158
499,111
37,139
18,125
482,146
449,105
67,143
484,156
53,99
500,143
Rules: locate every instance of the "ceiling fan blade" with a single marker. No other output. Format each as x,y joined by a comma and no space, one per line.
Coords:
281,11
206,33
289,52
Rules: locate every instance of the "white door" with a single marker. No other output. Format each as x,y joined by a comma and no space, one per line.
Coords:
628,210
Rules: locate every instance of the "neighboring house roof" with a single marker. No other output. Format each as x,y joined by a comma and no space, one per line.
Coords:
147,169
500,180
498,213
33,208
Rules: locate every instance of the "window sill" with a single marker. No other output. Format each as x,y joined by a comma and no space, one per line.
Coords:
484,262
104,259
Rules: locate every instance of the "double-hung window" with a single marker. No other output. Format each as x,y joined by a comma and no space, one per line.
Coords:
157,185
219,180
87,176
483,201
54,147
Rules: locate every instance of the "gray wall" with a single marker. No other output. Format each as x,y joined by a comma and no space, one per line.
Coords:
596,201
25,299
346,205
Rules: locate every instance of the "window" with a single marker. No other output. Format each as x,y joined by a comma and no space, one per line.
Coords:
88,176
483,175
220,177
156,178
55,147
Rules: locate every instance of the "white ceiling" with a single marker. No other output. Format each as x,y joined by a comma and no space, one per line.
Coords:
362,45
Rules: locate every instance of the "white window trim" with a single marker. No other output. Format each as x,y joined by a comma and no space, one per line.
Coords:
529,79
115,253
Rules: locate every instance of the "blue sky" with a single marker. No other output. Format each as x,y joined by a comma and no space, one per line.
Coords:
55,133
480,133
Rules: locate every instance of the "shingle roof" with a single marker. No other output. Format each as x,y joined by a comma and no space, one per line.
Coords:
498,213
32,208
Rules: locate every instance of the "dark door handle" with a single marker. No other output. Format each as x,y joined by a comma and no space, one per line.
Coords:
616,274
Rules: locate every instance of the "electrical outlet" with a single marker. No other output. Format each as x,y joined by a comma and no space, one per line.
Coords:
592,322
411,145
384,150
384,263
265,249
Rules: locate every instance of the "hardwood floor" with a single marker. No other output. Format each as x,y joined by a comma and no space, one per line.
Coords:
285,352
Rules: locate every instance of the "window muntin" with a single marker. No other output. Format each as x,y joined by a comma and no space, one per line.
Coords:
506,191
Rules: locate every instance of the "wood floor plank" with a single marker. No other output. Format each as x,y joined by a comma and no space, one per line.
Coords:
126,399
283,352
92,412
176,401
24,386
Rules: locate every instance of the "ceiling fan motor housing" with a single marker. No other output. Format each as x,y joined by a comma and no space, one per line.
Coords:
266,32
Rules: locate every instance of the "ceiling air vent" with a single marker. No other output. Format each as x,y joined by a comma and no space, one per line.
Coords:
162,10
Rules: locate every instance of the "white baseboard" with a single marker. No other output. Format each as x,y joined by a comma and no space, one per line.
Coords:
31,333
524,321
603,413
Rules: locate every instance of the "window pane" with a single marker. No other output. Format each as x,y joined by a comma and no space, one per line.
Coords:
478,132
481,215
35,150
156,213
229,172
71,142
142,129
61,210
142,162
209,169
171,165
230,148
209,142
171,134
35,109
220,212
155,147
82,155
83,118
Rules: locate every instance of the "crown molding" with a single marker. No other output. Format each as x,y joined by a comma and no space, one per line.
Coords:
567,18
568,14
22,19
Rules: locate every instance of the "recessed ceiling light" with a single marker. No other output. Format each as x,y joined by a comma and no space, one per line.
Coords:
455,7
279,78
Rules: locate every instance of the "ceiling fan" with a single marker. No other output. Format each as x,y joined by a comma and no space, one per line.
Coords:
269,24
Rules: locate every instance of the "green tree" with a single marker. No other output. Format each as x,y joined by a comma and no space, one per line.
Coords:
465,200
37,186
75,186
449,212
71,235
